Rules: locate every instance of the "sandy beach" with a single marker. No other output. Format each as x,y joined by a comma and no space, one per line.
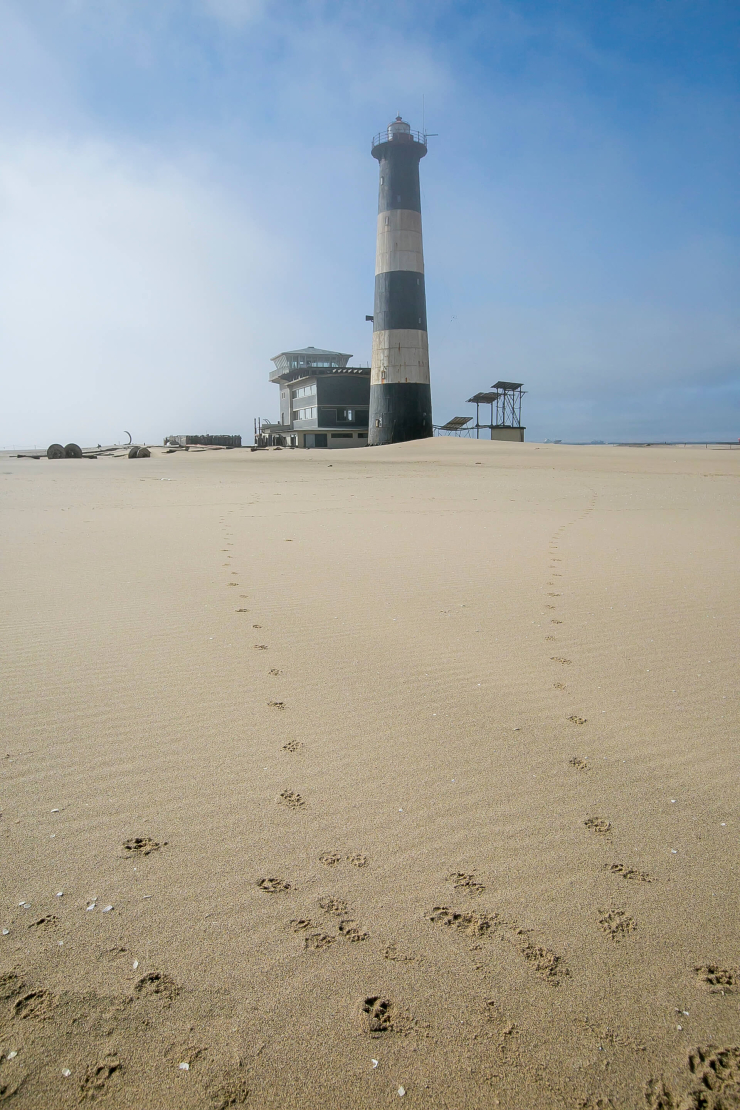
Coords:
396,776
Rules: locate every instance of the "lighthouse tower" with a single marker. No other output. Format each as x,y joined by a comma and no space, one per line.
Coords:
400,395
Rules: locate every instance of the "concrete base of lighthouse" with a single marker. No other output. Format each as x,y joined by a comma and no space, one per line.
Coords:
399,411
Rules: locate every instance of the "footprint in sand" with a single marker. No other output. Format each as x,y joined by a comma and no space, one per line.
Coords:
357,860
277,704
391,953
274,886
598,825
143,845
719,980
318,942
158,987
292,746
334,905
560,686
467,882
545,963
578,763
716,1073
376,1014
275,670
47,922
577,720
559,659
260,647
553,621
549,637
231,1089
291,799
329,859
629,873
470,923
616,924
98,1076
36,1004
352,931
302,924
11,985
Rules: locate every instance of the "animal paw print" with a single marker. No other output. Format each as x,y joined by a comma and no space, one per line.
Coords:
352,931
318,942
333,905
291,799
471,924
577,720
616,924
46,922
718,1073
377,1014
98,1076
598,825
719,980
462,881
630,873
274,886
578,763
142,845
546,963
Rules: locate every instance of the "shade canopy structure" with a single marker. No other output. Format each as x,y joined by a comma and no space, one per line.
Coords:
483,399
455,426
507,398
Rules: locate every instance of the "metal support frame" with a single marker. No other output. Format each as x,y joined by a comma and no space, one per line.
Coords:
507,400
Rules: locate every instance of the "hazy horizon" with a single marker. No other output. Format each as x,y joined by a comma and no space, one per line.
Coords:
186,189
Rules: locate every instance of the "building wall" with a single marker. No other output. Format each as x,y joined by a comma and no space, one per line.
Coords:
344,390
335,441
511,435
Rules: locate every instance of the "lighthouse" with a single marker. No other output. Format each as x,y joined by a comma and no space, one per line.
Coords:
400,395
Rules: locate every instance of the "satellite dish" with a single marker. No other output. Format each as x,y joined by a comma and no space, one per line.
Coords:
129,436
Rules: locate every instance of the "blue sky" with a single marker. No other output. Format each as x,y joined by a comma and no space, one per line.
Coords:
186,189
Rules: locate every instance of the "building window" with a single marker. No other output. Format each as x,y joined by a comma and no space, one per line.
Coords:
305,414
345,416
341,435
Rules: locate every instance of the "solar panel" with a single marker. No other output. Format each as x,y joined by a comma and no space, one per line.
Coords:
456,423
507,385
482,399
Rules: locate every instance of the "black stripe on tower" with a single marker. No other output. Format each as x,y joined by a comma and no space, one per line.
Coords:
404,410
399,176
400,301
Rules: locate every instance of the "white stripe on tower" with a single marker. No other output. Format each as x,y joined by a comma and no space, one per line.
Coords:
399,245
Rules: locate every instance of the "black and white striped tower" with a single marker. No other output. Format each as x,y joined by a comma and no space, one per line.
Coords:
400,395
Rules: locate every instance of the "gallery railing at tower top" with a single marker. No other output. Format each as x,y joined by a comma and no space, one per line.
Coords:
399,137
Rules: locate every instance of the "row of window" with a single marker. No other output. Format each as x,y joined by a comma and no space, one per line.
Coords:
297,363
344,416
304,391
